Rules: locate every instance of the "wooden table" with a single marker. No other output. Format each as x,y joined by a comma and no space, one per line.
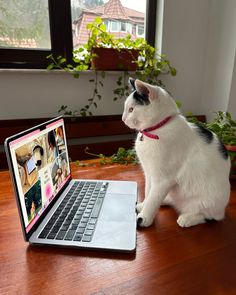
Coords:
168,260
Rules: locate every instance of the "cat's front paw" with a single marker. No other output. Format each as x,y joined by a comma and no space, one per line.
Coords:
139,207
144,220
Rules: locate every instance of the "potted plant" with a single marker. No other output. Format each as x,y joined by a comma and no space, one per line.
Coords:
110,53
225,127
131,55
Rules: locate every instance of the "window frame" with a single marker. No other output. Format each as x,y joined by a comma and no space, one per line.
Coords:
62,42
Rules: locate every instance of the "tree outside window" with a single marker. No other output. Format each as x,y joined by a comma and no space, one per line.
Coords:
24,24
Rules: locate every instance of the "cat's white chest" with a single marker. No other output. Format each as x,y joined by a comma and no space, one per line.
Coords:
146,147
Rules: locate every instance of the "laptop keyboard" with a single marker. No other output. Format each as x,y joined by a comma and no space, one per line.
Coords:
76,217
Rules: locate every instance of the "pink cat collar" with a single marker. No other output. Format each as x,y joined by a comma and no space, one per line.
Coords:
147,133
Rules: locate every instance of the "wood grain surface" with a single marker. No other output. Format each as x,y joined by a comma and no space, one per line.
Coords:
168,260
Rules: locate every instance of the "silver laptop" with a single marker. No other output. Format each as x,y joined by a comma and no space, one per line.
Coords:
57,210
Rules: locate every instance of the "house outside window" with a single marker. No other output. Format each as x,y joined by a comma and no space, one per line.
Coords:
118,19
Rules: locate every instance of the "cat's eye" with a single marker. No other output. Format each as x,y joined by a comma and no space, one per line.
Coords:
131,110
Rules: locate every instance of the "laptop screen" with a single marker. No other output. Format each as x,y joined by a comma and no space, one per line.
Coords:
41,168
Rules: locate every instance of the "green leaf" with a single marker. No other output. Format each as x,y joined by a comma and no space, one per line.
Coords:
62,60
173,71
50,66
178,103
103,27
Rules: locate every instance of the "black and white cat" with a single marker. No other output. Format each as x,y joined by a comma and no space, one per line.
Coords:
185,166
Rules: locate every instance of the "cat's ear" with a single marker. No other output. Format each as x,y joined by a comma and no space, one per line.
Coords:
146,90
132,83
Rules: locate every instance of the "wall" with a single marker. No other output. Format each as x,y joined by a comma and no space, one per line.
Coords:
185,26
232,97
32,94
220,56
199,37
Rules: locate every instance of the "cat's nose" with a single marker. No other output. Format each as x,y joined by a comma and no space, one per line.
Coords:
123,118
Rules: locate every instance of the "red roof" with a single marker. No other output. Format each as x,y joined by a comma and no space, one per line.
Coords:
135,15
129,13
22,43
114,9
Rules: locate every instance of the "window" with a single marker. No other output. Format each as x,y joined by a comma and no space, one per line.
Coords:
123,27
140,30
59,36
106,23
115,26
32,30
129,28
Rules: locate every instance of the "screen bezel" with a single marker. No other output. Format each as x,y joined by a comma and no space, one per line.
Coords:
7,143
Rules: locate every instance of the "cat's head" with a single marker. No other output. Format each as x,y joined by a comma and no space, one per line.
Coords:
147,105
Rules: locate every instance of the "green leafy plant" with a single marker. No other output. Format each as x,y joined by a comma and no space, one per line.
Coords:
150,64
225,127
122,156
99,37
80,64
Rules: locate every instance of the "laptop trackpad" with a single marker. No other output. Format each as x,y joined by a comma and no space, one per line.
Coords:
118,207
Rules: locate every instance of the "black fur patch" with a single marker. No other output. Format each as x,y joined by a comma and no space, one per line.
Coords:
141,99
132,83
206,134
222,150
